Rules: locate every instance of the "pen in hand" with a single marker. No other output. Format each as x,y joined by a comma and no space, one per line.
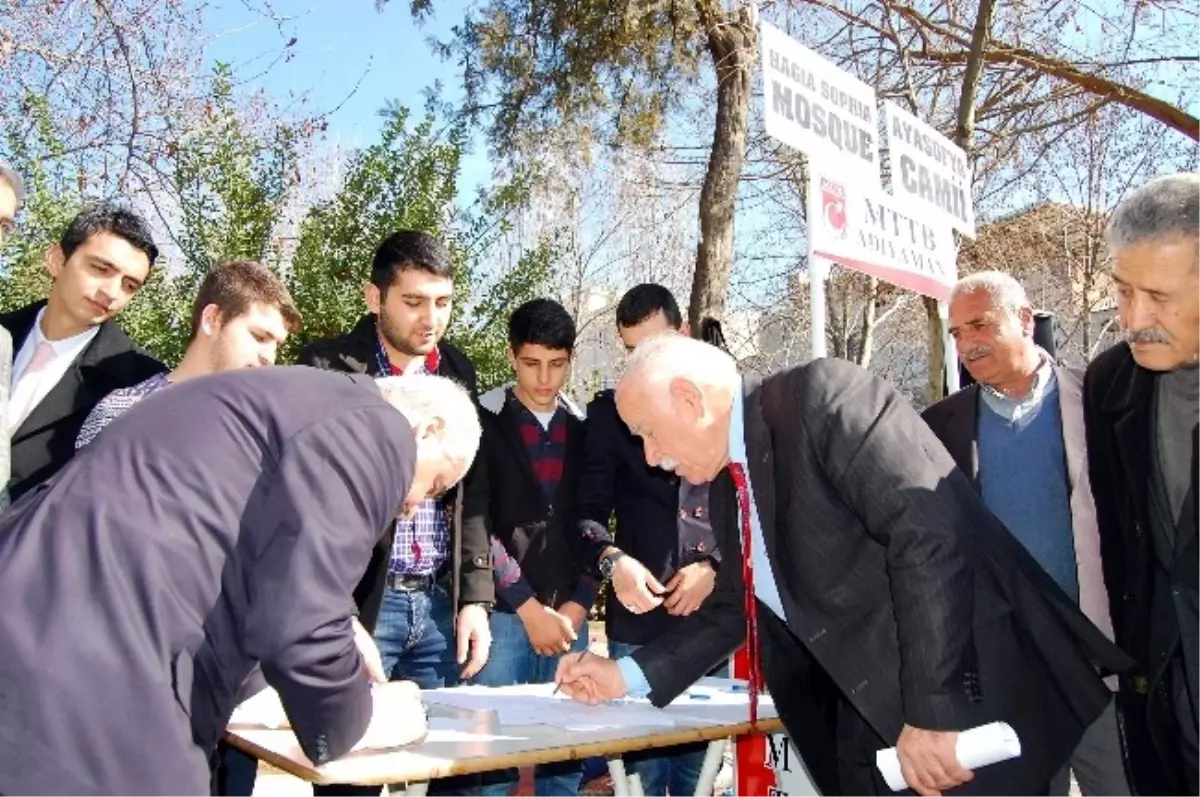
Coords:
558,685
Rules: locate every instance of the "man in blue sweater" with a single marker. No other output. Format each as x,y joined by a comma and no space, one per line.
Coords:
1019,435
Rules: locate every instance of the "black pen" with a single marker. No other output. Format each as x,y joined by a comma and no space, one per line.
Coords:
559,684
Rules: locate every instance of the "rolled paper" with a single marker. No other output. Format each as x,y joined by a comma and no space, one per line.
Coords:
975,748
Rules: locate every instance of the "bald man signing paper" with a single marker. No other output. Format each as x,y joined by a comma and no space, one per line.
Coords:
216,525
892,609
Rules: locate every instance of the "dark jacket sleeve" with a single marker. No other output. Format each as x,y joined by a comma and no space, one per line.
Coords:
681,656
475,578
335,484
470,510
895,475
597,481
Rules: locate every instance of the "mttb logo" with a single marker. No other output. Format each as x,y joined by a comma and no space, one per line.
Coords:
833,207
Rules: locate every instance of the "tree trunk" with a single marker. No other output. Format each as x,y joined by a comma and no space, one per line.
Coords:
937,352
731,44
964,136
868,324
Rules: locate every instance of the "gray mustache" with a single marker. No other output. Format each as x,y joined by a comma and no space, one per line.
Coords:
1151,335
976,351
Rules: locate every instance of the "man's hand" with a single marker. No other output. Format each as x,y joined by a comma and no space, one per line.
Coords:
474,637
590,679
576,614
397,717
637,590
550,633
372,661
929,762
689,587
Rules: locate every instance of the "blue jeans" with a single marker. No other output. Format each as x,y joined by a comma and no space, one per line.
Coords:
415,637
513,661
673,770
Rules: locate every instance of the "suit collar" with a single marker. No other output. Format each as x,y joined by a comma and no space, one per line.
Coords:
1130,391
1130,386
760,458
19,322
1070,408
98,369
961,430
110,339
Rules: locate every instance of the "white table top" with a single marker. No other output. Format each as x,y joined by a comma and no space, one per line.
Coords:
463,741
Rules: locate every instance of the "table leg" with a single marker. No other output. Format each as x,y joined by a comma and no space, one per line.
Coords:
411,789
635,786
712,765
616,769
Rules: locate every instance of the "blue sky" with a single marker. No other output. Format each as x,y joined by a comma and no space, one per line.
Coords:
340,44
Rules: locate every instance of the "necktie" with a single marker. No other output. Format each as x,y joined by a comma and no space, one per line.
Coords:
743,495
21,402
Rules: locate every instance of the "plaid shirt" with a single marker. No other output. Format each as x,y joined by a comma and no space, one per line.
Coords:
114,405
421,543
547,447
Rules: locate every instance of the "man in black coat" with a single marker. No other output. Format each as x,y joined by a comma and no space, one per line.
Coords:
875,566
438,564
68,352
427,591
1140,410
218,524
663,564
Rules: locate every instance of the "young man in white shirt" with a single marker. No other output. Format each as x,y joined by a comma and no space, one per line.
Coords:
69,352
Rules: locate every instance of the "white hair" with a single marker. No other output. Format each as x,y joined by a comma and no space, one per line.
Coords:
1164,208
1006,293
424,398
670,355
9,176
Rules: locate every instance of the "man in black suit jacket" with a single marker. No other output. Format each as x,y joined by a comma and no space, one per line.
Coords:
1140,410
665,564
875,567
68,352
218,524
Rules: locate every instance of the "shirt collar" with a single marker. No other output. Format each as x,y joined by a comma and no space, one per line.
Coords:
518,406
1015,408
67,347
737,425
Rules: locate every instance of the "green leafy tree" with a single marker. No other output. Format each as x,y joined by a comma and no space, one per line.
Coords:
231,181
48,207
611,72
409,180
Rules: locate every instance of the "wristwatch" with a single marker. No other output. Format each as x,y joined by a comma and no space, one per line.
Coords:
607,562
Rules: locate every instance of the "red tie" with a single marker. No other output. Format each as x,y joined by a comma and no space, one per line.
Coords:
743,495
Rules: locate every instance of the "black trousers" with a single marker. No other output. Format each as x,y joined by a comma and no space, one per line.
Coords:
836,743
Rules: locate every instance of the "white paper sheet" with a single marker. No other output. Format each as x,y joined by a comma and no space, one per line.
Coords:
536,704
977,747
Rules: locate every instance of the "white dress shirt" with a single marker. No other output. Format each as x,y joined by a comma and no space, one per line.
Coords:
66,351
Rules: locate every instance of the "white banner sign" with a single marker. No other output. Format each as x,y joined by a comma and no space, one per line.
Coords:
929,168
874,232
815,107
